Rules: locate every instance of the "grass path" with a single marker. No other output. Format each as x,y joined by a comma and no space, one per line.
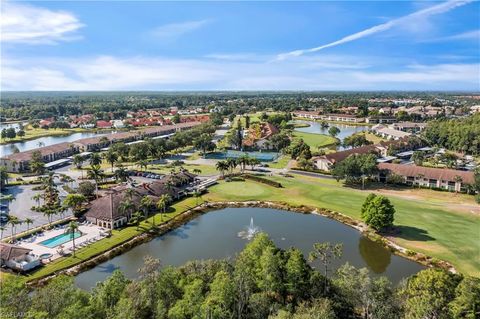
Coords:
425,227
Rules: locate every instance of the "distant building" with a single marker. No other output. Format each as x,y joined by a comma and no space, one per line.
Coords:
104,124
381,119
312,115
260,141
409,127
389,133
342,118
449,179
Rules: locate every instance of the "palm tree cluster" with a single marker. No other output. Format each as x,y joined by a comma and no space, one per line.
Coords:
230,164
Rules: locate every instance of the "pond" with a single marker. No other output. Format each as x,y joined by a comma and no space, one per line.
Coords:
345,129
216,235
262,156
45,141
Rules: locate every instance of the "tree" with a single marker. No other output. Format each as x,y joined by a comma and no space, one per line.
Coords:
121,174
36,164
222,166
254,162
146,204
356,168
87,189
13,221
143,164
243,161
333,131
75,202
21,133
326,253
126,207
136,218
356,140
298,148
10,133
3,177
95,160
232,164
378,212
204,143
220,300
428,294
72,230
176,118
111,157
29,222
418,157
466,303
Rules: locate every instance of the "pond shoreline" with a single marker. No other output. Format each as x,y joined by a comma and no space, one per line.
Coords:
204,208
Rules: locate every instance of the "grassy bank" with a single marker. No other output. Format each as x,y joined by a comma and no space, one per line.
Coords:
316,141
425,226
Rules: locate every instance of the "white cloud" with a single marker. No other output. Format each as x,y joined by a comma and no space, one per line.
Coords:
158,73
22,23
410,19
174,30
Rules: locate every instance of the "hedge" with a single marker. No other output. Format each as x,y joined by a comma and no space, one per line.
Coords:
262,180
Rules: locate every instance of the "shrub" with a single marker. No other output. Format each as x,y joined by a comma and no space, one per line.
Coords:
262,180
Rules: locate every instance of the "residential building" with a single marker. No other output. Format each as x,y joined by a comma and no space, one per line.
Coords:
104,124
381,119
312,115
409,127
258,135
449,179
389,133
18,258
343,118
19,162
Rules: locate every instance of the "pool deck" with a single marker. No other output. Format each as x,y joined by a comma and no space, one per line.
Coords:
89,233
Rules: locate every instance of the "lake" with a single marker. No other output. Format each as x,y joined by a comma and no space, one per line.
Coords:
46,141
215,235
345,129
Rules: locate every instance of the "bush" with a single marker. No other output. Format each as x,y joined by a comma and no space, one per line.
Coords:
262,180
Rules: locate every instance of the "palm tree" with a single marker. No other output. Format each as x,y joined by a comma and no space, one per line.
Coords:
162,203
232,163
72,228
126,207
121,174
254,162
28,221
137,217
78,160
111,157
13,221
197,171
37,198
243,161
146,203
95,160
222,166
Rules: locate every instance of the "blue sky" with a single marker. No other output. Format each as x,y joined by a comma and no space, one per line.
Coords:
355,45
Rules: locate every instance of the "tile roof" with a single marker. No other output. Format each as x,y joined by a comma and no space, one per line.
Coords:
9,251
46,150
428,172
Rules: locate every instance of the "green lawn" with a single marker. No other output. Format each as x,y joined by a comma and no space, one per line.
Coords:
425,225
206,169
316,141
281,162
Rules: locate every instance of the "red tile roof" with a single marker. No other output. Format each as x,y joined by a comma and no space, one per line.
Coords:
428,172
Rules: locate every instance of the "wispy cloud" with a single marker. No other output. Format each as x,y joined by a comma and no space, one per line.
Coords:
22,23
160,73
174,30
473,35
420,14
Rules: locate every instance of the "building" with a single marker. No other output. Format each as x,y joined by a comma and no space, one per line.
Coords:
259,139
389,133
449,179
19,162
326,162
342,118
381,119
106,211
18,258
104,124
312,115
409,127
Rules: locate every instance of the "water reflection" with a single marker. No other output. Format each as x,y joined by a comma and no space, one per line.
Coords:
374,254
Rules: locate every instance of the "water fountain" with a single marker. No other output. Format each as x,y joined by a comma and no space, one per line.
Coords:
251,231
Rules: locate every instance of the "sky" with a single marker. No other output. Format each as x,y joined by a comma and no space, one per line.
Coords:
175,46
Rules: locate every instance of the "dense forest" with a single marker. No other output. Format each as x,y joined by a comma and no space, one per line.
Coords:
39,105
462,135
262,282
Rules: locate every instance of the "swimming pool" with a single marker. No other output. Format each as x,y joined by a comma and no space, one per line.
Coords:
59,239
262,156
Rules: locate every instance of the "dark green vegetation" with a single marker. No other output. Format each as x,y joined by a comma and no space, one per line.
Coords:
263,282
377,212
356,168
462,135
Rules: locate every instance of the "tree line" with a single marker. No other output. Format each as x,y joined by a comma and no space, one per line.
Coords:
262,282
